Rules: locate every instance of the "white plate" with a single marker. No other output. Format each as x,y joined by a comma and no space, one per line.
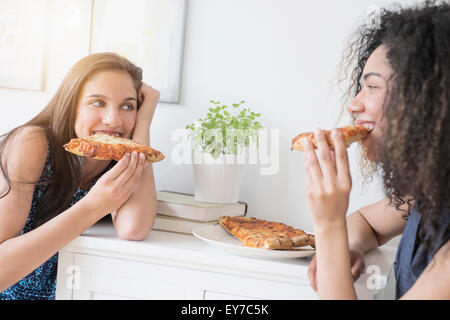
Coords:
217,236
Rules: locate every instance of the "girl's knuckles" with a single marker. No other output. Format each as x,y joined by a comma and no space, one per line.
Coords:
342,156
310,164
324,157
346,187
128,171
134,179
318,195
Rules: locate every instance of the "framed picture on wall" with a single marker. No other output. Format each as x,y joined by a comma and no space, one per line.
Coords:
150,33
22,43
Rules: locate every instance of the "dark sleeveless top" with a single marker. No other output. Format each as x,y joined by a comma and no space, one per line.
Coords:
412,254
41,283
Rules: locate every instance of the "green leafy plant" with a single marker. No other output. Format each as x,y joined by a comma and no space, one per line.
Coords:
225,130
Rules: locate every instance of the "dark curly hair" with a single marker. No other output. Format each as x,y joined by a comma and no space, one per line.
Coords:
414,157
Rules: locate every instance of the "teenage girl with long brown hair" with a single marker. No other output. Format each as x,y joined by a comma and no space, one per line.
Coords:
48,196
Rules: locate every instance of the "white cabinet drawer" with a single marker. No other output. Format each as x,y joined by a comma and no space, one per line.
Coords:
96,286
108,278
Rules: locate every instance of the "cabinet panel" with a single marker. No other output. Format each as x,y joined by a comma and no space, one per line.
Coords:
107,278
113,278
96,286
64,279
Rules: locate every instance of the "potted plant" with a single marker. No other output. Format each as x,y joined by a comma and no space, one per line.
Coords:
218,139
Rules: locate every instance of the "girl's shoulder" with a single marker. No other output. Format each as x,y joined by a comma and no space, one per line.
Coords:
26,153
26,133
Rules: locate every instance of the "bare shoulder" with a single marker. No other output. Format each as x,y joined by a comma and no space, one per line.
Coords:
434,280
25,153
442,258
23,159
32,134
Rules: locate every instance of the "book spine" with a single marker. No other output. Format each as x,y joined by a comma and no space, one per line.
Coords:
177,226
197,213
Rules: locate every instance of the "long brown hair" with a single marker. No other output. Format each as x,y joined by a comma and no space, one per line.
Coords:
57,120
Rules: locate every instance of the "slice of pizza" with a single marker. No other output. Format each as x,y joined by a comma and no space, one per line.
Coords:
351,134
265,234
106,147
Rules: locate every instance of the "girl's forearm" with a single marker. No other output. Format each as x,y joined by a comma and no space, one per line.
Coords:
142,135
334,279
361,237
134,220
20,255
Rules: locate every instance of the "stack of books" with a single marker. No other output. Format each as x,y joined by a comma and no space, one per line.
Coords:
180,212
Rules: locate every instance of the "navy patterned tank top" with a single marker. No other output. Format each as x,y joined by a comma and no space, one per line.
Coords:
412,254
41,283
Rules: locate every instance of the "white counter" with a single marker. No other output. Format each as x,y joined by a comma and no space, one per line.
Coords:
99,265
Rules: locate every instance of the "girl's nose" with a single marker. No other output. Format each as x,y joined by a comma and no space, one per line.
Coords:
111,117
356,105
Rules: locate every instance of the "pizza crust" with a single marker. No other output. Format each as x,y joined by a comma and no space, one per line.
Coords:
351,134
265,234
105,147
281,242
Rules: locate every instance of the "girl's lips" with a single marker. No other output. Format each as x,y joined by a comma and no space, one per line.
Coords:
367,124
111,133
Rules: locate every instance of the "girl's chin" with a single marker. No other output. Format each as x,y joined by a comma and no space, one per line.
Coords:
369,145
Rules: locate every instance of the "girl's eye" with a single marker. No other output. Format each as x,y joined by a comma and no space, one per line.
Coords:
98,103
128,107
370,87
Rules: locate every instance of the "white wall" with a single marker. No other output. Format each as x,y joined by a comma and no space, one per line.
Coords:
280,56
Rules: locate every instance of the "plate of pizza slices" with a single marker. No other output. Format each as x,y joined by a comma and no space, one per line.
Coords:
257,238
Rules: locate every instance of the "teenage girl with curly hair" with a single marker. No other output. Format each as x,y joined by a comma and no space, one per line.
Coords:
401,89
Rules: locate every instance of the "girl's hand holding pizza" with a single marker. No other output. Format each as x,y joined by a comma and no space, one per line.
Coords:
328,180
115,187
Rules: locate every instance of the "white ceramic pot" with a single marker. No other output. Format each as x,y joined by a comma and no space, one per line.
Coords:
216,180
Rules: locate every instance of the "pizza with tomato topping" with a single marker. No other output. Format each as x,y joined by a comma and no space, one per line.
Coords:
258,233
351,134
107,147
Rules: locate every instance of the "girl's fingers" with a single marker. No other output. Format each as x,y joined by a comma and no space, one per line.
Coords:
118,168
134,160
311,163
333,159
312,273
308,178
357,265
137,173
128,172
324,156
340,149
